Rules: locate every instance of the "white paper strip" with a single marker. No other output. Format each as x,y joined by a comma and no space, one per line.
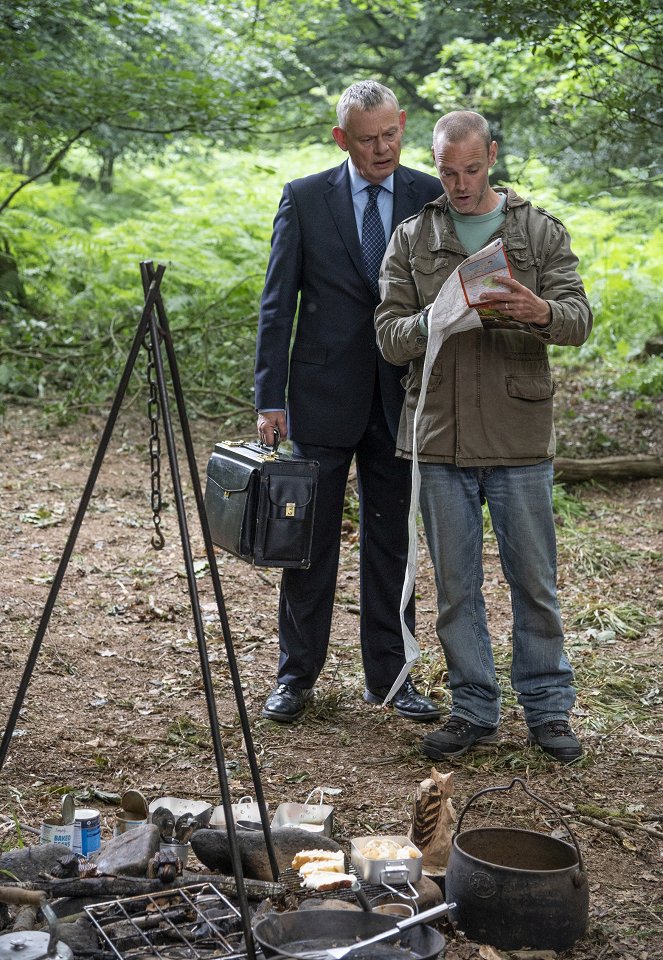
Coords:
449,314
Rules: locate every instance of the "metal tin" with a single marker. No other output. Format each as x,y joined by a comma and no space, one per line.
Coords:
313,817
386,871
52,831
245,811
68,808
134,812
179,806
87,831
124,821
181,849
395,909
134,802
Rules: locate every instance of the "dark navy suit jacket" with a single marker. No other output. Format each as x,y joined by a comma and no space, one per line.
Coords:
329,376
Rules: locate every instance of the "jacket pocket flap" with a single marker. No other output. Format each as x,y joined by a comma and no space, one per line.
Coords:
428,265
304,352
290,490
229,476
529,387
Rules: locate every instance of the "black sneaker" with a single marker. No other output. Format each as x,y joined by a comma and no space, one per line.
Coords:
556,738
286,703
455,737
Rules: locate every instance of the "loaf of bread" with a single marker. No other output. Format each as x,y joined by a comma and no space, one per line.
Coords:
382,848
327,880
321,866
308,856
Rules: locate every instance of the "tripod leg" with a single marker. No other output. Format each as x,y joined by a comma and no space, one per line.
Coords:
200,632
150,298
216,583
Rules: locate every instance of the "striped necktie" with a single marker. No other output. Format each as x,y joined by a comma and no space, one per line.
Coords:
373,242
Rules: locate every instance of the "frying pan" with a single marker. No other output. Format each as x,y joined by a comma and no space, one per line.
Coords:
275,932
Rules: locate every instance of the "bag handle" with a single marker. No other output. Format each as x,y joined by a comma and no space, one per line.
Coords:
275,446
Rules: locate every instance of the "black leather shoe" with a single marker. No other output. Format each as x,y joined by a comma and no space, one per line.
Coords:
407,702
286,703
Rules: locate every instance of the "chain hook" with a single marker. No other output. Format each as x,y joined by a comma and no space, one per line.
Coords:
154,414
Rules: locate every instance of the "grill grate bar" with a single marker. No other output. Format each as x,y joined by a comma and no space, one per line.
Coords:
292,881
188,923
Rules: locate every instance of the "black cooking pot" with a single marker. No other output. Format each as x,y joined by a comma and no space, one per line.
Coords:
329,927
517,889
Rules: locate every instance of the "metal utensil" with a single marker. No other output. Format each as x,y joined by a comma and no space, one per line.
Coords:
361,897
337,953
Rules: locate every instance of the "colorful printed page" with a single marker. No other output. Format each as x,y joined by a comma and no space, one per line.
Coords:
480,274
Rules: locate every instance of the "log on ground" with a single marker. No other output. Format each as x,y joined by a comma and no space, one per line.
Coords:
635,467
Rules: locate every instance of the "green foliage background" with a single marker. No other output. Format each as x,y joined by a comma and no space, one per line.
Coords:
165,131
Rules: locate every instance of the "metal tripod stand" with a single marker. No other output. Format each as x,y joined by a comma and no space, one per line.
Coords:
153,331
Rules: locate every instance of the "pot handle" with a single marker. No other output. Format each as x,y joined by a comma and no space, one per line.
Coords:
580,876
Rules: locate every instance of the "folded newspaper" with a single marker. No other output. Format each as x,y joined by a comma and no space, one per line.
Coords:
480,277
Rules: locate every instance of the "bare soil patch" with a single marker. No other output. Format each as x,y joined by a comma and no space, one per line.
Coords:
116,698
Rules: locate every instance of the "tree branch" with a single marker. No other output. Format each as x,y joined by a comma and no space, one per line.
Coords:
52,163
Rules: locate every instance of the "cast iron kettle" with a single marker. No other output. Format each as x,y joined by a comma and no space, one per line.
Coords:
517,889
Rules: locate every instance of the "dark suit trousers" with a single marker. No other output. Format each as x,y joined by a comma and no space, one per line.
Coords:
307,596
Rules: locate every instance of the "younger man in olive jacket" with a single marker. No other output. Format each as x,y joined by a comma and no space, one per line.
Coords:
486,434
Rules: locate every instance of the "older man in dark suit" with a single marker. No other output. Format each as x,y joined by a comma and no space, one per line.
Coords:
342,399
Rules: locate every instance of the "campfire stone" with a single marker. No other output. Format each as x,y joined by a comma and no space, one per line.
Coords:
80,937
129,854
212,848
430,894
27,863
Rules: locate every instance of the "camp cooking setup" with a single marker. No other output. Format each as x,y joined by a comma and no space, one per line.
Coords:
509,888
504,887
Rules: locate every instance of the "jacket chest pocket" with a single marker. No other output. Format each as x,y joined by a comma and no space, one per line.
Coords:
525,268
429,273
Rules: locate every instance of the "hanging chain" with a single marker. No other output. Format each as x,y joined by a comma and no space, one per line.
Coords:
154,413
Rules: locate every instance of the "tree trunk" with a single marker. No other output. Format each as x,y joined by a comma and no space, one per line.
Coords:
608,468
106,170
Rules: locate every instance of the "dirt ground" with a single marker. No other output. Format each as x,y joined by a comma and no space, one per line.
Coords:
116,697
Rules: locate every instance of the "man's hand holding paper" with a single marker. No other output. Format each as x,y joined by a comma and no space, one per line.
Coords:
519,303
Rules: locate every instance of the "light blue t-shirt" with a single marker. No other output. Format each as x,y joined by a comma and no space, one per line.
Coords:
474,231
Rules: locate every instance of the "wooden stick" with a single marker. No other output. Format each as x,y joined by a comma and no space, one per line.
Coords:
137,886
601,825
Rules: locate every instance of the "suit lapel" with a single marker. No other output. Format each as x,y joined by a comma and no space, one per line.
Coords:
339,201
405,197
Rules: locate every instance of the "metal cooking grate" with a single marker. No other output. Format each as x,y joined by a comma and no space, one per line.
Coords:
189,923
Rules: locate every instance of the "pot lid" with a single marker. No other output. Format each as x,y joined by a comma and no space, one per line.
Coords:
68,808
31,945
134,802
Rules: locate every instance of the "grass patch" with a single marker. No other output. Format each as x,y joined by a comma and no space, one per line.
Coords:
596,556
626,620
185,732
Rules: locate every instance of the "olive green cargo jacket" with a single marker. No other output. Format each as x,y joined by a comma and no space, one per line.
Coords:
489,401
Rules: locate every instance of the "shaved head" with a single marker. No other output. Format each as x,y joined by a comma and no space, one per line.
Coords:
460,124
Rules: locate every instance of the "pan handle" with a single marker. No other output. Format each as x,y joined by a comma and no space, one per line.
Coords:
579,878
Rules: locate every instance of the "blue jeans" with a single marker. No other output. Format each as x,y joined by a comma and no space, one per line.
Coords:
520,504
